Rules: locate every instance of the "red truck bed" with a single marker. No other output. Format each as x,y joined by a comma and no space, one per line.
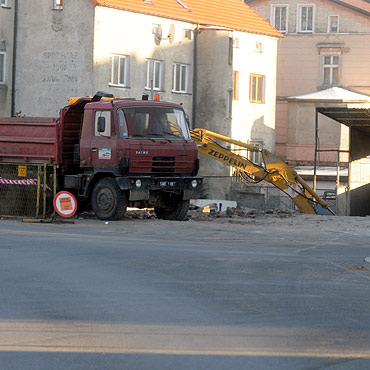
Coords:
33,140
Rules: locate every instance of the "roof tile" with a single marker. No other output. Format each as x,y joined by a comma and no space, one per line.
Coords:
233,14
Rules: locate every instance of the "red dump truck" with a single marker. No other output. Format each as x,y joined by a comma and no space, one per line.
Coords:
112,153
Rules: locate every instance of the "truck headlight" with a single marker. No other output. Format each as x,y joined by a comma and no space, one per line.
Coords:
194,183
138,183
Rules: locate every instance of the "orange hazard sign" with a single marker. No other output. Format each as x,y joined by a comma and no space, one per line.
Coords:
65,204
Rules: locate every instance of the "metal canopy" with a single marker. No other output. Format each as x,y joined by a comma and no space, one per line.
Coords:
352,117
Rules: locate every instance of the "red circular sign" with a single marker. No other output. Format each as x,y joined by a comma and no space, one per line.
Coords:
65,204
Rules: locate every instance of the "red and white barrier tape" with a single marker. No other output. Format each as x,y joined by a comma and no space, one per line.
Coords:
21,182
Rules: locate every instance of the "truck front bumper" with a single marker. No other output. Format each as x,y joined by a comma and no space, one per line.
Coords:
141,186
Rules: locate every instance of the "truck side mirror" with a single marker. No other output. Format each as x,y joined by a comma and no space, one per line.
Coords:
101,124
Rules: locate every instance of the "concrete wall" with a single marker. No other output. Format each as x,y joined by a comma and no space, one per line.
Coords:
214,84
130,34
54,55
6,37
300,134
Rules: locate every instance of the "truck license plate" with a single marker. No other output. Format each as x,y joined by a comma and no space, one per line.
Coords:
167,183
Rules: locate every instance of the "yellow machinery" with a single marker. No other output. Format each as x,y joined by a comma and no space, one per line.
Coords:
272,169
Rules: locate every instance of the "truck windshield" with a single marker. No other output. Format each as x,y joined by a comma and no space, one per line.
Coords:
153,122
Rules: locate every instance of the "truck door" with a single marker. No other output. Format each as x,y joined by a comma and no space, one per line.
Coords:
104,140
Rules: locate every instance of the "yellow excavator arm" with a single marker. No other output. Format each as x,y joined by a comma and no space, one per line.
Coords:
272,169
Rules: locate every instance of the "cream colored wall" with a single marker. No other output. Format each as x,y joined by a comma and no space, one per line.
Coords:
299,63
349,20
125,33
299,72
252,120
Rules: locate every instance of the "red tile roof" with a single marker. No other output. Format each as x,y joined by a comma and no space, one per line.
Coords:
233,14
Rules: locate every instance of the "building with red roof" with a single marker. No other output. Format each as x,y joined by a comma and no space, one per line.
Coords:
216,57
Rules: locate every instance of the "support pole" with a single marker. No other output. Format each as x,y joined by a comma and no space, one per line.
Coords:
315,154
44,192
38,191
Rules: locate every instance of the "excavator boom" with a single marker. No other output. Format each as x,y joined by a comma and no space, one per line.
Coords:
272,169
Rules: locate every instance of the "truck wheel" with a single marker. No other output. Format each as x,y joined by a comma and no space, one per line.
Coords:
175,208
108,201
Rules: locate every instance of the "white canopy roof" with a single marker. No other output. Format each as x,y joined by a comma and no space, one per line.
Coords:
332,95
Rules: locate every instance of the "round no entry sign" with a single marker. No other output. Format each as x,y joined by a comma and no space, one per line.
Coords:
65,204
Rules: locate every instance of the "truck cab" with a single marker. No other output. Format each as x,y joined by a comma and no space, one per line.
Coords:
125,152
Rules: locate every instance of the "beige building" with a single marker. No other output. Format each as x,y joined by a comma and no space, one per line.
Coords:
218,61
325,46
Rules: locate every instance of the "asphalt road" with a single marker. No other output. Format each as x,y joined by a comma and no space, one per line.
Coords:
149,294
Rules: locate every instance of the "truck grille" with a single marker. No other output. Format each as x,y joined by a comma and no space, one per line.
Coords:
163,165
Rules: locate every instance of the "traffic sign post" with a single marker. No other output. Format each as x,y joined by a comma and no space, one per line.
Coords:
65,204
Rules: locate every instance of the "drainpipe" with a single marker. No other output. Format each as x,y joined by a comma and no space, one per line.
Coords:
12,113
195,76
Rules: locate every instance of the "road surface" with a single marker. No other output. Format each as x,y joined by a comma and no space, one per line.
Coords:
263,293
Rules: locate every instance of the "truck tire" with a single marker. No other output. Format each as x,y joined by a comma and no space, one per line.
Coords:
108,201
175,208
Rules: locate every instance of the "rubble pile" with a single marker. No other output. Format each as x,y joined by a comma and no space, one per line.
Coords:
209,213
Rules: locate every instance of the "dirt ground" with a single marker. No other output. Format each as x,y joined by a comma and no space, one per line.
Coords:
252,217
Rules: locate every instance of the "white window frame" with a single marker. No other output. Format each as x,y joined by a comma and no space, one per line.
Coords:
329,23
58,4
5,3
3,72
274,7
299,18
331,67
115,74
178,69
151,65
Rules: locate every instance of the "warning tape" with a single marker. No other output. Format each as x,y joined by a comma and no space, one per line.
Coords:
21,182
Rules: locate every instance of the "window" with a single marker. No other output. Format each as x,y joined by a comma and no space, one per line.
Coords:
229,103
235,85
156,122
305,18
58,4
106,116
258,47
2,62
180,78
231,47
5,3
333,24
280,17
256,88
154,74
330,71
119,70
